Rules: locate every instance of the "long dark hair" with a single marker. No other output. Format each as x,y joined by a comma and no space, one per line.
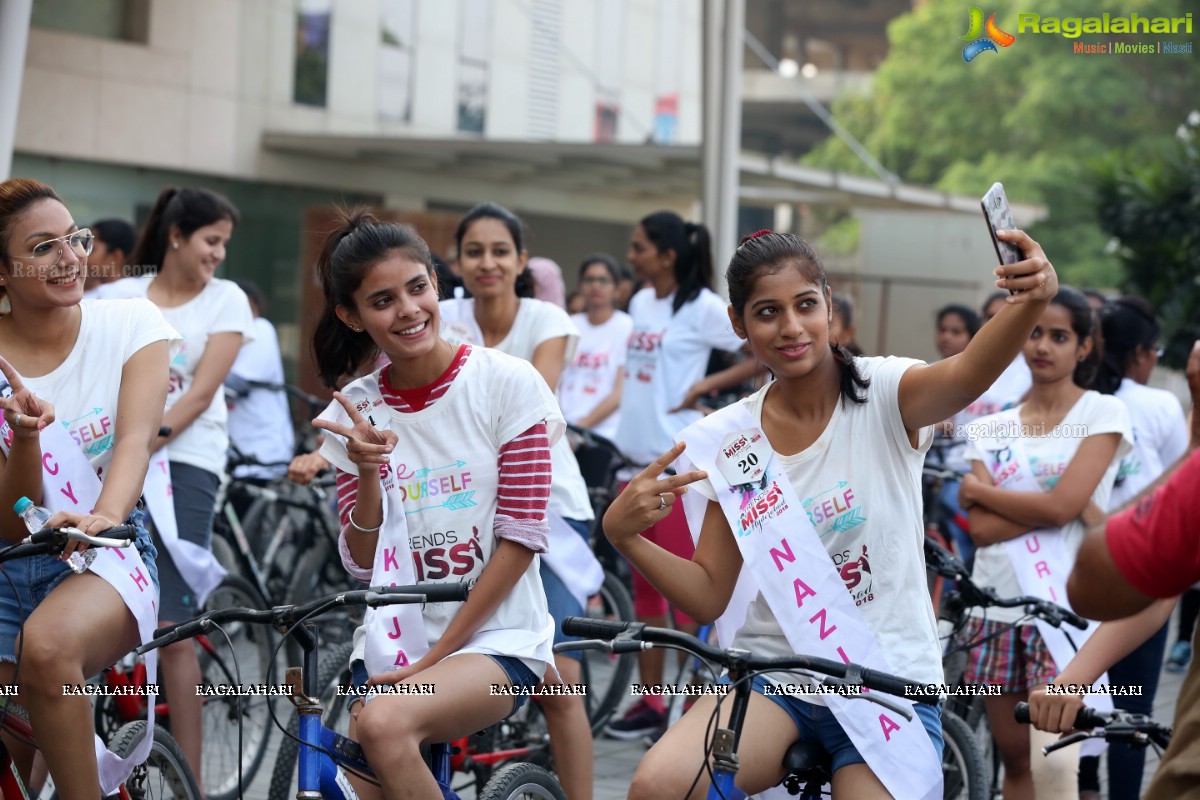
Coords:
1083,322
769,253
359,242
524,286
692,244
189,210
1127,324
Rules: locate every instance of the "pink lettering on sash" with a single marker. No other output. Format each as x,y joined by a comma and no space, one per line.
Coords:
786,553
821,616
396,625
117,550
401,659
1043,569
808,592
49,464
139,579
69,493
888,725
1032,544
842,654
389,559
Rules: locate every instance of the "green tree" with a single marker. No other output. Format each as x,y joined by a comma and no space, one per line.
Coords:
1035,116
1149,202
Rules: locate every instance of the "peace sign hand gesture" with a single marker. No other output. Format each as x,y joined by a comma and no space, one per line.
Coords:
365,444
648,498
25,413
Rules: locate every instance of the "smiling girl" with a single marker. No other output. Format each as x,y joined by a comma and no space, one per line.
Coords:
1051,455
434,404
182,244
845,436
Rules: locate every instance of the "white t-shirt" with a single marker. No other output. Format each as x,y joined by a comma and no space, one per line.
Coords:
1160,438
592,373
1049,457
85,387
536,322
1005,393
450,510
667,354
221,307
860,483
260,424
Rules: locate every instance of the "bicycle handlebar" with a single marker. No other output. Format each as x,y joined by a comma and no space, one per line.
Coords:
287,615
1137,730
846,674
49,541
1086,719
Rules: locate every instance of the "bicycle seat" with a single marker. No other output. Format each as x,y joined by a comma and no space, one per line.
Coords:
808,767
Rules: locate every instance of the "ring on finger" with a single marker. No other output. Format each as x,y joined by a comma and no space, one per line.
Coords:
662,502
17,420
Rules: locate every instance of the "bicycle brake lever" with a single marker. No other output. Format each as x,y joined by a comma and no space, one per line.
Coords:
1067,741
874,697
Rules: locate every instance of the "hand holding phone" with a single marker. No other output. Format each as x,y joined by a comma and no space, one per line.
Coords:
999,217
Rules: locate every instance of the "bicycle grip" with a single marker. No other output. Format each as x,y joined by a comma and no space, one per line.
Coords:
593,628
1086,719
434,592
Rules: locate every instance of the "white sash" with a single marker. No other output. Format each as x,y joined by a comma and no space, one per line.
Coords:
198,566
572,561
1040,560
70,484
784,558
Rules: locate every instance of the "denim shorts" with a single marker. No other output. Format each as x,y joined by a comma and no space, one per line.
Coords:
817,724
559,599
25,583
518,675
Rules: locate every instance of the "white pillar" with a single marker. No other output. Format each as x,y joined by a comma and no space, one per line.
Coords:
14,36
725,233
710,151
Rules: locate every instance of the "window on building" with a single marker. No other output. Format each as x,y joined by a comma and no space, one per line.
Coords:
312,52
397,38
670,67
473,53
124,20
607,117
610,41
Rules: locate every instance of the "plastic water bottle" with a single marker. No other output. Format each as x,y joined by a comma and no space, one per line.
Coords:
36,518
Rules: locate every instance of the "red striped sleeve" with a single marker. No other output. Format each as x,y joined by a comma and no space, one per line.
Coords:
525,475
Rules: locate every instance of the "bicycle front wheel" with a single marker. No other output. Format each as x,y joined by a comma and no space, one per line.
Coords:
963,769
165,775
522,782
227,716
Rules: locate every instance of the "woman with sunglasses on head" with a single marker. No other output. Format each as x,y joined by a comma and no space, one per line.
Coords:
590,389
502,313
406,517
807,503
182,244
82,382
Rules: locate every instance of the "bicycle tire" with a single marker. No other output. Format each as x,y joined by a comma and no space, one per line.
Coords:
524,781
333,670
320,573
164,774
963,768
249,664
607,676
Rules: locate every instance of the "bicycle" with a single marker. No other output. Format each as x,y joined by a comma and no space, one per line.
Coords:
953,620
808,767
165,773
1134,730
325,756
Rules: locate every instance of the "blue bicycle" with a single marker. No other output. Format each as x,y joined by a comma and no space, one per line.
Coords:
808,766
327,758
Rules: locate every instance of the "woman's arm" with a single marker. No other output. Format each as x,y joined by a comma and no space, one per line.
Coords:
932,393
607,406
548,360
219,354
143,390
1111,642
736,375
21,471
1066,501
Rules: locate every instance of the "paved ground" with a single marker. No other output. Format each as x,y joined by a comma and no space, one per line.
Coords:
616,761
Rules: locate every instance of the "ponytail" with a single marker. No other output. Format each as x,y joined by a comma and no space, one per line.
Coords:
358,242
692,244
185,209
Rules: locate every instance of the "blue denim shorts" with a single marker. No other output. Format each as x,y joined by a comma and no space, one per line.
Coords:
518,675
817,724
25,583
